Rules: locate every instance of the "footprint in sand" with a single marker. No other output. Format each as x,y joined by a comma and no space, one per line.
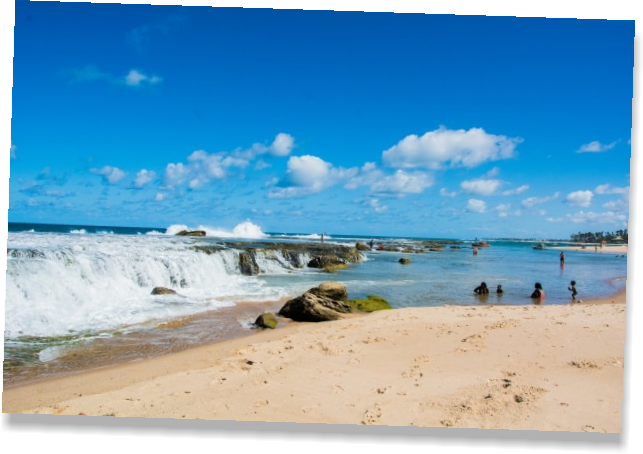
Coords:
372,415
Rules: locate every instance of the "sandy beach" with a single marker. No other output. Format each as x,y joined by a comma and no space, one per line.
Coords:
546,368
606,249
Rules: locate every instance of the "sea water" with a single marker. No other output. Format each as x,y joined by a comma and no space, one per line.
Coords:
70,287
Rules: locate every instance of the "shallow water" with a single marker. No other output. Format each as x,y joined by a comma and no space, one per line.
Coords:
77,299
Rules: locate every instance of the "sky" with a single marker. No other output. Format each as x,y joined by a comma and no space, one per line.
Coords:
380,124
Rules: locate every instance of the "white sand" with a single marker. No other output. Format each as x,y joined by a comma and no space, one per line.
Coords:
512,367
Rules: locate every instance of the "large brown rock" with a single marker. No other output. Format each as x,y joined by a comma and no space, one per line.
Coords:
361,246
192,233
162,291
332,290
313,306
248,264
322,261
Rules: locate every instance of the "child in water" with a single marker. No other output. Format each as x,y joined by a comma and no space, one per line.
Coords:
573,290
499,290
539,293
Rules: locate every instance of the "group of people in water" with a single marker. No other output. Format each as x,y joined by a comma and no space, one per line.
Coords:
538,293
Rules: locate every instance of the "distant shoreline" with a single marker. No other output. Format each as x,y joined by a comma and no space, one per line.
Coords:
610,249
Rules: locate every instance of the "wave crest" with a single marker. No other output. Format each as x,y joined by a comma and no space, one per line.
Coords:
244,229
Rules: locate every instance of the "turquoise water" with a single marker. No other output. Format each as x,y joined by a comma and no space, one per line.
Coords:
73,289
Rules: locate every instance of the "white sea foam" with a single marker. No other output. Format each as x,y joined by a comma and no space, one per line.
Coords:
59,284
245,229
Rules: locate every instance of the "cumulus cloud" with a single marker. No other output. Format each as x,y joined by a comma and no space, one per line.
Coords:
476,206
112,175
444,192
580,198
518,190
144,177
531,201
480,186
402,183
608,189
307,175
595,147
450,148
160,196
282,145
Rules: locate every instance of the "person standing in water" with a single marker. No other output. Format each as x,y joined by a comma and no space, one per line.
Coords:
562,259
481,289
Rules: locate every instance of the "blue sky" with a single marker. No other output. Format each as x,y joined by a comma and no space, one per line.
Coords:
311,121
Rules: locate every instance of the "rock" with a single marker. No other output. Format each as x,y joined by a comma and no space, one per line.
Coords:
248,264
192,233
332,290
322,261
361,246
163,291
404,261
310,307
371,304
266,320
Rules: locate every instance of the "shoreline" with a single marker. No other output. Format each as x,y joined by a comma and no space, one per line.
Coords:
611,249
369,369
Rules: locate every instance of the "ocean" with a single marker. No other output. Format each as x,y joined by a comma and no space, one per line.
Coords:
79,297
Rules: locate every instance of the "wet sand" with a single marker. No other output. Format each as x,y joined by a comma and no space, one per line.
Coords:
552,368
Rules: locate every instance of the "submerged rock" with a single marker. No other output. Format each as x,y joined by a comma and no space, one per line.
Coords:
266,320
404,261
163,291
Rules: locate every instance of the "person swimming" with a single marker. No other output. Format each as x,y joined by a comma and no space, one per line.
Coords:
539,293
499,290
482,289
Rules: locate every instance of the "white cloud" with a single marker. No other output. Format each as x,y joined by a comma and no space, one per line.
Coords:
282,145
455,148
608,189
375,205
176,174
518,190
402,183
143,177
480,186
595,147
477,206
135,78
12,152
531,201
111,174
261,164
580,198
608,217
307,175
503,207
160,197
445,193
617,205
